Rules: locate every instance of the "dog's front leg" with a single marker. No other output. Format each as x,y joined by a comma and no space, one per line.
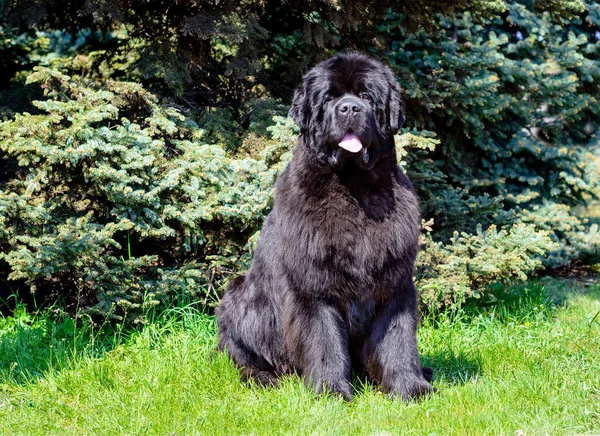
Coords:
392,357
316,338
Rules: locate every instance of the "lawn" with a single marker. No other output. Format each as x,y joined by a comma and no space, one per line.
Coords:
529,363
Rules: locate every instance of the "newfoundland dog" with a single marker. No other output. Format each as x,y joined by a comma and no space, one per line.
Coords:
330,288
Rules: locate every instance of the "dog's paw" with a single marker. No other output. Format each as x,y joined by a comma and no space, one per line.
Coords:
342,388
260,377
413,390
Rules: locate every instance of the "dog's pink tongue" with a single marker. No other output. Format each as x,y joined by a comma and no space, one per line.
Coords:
351,143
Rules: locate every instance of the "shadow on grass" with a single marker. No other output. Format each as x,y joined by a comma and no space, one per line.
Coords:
454,370
560,290
31,346
451,368
520,301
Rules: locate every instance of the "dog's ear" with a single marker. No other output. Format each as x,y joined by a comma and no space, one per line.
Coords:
300,110
395,106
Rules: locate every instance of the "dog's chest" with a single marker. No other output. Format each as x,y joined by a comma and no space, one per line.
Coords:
368,229
353,234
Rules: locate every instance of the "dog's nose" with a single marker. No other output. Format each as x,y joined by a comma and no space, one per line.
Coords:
346,106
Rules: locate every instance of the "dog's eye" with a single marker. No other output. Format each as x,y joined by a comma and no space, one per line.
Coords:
328,98
366,96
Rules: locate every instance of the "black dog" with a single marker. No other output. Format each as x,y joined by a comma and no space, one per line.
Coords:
330,288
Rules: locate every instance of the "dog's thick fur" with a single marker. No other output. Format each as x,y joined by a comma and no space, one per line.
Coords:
330,288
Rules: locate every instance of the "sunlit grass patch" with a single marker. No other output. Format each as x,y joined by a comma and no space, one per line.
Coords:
524,362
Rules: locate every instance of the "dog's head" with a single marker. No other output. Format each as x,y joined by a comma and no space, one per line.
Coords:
348,108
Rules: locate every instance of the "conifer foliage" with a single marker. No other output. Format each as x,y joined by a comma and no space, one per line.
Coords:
515,104
119,202
115,199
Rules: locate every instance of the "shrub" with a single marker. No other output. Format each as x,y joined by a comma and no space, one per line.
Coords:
447,275
119,202
513,102
220,51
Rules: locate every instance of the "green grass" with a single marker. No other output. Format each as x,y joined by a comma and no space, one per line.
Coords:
522,363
